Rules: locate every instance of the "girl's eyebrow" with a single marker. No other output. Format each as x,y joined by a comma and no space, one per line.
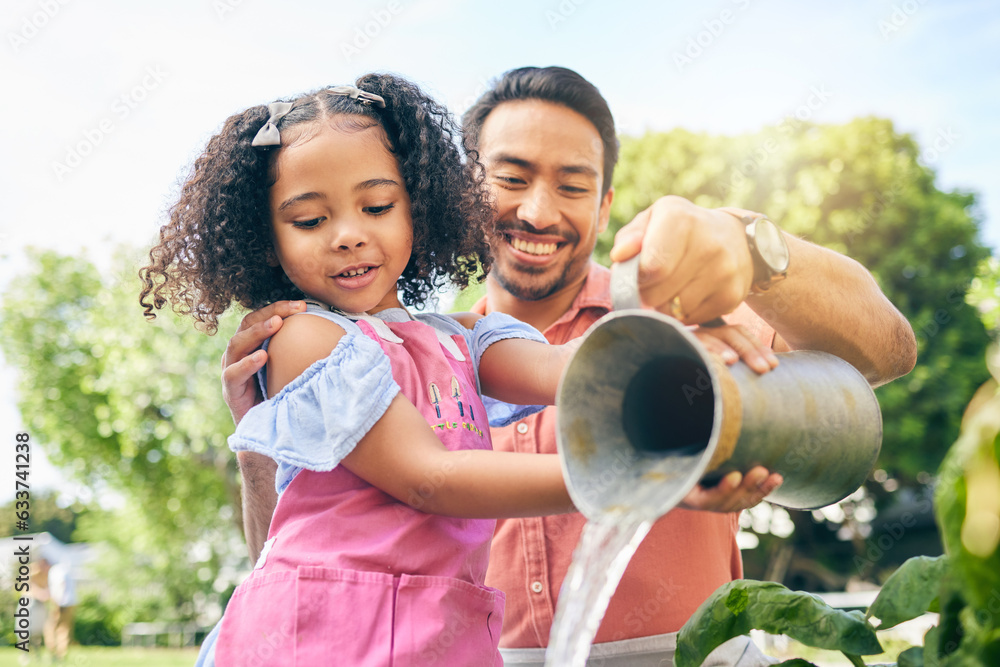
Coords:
305,196
375,183
363,185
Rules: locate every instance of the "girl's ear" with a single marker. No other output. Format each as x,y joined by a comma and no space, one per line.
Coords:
271,258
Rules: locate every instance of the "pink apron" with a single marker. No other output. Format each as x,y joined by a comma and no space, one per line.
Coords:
352,576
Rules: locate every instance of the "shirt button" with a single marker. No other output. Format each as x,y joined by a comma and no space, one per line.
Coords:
522,428
536,586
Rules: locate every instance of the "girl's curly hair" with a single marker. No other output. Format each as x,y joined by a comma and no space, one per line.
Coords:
213,250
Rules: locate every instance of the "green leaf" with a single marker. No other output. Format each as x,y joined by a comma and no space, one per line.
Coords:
911,657
740,606
909,592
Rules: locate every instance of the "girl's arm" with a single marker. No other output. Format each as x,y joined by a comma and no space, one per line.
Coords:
524,372
402,456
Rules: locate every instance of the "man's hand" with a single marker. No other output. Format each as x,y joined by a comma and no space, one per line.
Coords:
243,358
694,262
734,492
732,343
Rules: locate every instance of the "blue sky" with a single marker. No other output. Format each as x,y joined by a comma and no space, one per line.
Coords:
107,102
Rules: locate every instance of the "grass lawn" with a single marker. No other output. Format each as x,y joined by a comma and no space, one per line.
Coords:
94,656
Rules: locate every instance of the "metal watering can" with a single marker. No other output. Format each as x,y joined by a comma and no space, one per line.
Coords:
644,407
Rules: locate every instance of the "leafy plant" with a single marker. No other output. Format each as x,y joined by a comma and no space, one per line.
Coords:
963,585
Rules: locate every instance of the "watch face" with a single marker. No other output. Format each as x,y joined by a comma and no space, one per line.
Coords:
771,245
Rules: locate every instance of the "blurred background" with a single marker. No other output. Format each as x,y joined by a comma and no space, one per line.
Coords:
868,127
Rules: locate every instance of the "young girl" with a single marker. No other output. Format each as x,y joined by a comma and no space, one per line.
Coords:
357,200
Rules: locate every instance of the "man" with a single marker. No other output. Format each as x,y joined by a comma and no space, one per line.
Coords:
547,140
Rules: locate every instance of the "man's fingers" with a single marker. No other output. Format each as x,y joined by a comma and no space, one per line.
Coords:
718,347
734,492
738,340
628,239
282,309
238,376
257,327
245,341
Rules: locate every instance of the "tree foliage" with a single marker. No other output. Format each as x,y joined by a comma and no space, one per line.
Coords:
132,408
47,516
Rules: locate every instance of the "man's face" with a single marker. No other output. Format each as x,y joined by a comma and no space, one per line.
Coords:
544,163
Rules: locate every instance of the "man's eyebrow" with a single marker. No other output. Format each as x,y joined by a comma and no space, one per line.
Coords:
584,169
305,196
375,183
510,159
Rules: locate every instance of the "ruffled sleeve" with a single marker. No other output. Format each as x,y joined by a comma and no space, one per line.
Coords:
318,418
496,327
491,329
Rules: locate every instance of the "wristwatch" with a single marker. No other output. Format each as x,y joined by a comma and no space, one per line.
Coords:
768,250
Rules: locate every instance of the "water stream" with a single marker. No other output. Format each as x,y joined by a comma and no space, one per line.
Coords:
605,548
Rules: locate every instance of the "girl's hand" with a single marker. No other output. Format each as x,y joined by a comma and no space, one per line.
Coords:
243,358
734,492
732,342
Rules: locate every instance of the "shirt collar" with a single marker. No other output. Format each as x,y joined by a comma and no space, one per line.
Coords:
595,293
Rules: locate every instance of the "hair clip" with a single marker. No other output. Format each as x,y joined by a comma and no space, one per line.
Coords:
361,96
268,135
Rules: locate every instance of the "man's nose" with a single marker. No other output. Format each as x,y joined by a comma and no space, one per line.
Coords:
538,207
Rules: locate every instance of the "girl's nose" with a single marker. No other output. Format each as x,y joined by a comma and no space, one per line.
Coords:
348,235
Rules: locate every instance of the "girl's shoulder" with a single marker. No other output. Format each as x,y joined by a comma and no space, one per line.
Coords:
302,340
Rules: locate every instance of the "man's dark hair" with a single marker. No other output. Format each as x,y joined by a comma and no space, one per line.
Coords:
549,84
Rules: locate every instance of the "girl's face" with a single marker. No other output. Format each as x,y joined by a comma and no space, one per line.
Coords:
340,219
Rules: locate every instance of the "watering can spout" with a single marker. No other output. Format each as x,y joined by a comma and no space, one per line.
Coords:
642,404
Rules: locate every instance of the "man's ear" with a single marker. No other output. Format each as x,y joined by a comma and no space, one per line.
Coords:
605,212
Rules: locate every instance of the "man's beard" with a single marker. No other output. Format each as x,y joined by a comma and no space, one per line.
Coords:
525,290
518,281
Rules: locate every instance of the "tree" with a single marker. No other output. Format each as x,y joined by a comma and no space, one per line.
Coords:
47,515
134,407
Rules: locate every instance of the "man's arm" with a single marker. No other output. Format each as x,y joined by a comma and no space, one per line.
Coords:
831,303
240,363
696,261
259,499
